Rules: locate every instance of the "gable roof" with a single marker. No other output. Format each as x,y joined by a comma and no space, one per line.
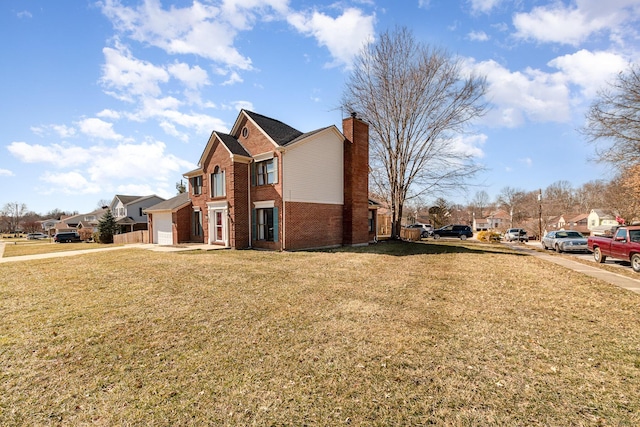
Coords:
172,204
126,199
279,132
234,146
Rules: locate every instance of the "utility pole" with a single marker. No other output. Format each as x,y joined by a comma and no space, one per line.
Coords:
540,215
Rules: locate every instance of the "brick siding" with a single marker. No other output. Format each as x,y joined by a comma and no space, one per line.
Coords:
312,225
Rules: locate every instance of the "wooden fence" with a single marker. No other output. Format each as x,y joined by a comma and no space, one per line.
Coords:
410,233
140,236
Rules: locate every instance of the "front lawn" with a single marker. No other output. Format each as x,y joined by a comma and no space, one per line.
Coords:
458,333
45,246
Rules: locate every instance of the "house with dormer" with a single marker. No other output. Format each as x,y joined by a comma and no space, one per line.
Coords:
267,185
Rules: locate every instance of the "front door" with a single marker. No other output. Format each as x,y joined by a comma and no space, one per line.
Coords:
218,229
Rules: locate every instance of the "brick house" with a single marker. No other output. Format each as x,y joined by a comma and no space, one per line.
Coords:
266,185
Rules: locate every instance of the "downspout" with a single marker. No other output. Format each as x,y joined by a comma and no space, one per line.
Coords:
284,203
249,204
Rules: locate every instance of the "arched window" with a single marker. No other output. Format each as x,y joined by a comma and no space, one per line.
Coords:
217,183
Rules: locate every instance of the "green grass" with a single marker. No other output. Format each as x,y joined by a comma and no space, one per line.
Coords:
394,334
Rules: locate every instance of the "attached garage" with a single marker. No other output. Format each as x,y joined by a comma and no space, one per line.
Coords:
162,228
168,218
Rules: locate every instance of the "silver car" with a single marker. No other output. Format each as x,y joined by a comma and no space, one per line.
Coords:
565,241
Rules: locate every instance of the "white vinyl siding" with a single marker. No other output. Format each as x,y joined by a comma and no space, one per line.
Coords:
313,170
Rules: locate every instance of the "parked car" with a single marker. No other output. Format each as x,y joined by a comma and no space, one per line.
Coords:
623,245
460,231
425,229
516,235
66,237
565,241
36,236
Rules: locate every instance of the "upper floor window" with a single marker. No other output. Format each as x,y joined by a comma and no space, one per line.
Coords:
217,183
196,185
267,172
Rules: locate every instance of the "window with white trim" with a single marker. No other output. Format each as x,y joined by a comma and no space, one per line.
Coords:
217,183
267,172
196,185
265,224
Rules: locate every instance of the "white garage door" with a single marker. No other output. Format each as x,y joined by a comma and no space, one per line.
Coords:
162,229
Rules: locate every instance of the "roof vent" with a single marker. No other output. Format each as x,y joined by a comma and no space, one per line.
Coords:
354,114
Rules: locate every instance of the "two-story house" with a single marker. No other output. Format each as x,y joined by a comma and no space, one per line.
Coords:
128,211
267,185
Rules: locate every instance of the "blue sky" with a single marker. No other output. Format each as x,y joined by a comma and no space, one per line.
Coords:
120,96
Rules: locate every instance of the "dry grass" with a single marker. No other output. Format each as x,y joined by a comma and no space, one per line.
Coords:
33,247
397,334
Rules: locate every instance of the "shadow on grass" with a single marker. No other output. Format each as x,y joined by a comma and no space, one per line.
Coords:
402,248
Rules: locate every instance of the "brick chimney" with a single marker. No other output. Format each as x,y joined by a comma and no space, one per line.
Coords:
356,181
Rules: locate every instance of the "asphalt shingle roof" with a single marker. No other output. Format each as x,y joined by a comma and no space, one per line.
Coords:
233,144
171,204
281,133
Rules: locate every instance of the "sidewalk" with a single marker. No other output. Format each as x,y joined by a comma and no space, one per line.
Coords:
146,246
619,280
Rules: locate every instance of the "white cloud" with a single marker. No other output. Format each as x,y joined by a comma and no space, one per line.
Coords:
5,172
34,153
137,162
109,114
201,29
88,170
129,76
343,36
528,95
589,70
484,5
69,183
469,145
479,36
233,79
97,128
64,131
192,77
573,24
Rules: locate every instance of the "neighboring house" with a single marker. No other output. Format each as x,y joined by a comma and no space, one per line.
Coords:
128,211
48,225
498,220
481,224
579,223
266,185
600,222
76,222
169,220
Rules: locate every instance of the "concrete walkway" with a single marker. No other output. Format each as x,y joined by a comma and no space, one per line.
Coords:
625,282
146,246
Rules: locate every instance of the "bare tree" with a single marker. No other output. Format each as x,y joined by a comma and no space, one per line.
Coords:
102,203
479,203
559,199
513,200
417,100
591,195
614,119
14,212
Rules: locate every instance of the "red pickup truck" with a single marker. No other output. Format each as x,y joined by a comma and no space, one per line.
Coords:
624,245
